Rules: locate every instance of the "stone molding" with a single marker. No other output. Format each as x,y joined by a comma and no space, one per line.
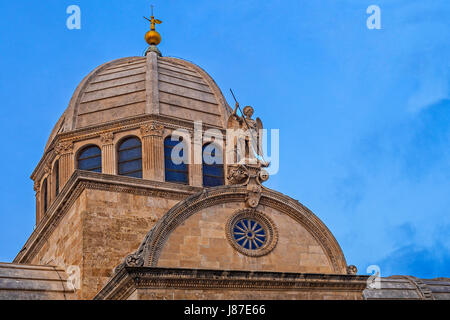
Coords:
123,283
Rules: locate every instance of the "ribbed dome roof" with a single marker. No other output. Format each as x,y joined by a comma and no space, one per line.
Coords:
124,88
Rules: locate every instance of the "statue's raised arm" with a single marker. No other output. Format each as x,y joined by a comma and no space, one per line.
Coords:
235,121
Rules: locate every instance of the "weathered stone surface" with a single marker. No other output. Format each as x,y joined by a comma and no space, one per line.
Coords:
409,288
28,282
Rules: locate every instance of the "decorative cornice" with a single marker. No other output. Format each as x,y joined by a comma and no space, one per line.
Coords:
130,279
82,180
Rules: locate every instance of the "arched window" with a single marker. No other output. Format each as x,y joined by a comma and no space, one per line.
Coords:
175,171
55,175
212,165
130,158
90,159
44,195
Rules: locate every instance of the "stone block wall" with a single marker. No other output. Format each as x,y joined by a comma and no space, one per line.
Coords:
114,225
98,232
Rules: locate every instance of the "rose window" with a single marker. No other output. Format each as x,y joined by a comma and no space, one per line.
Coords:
249,234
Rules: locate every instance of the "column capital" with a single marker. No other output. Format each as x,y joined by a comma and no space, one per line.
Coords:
47,168
37,186
107,138
64,147
152,129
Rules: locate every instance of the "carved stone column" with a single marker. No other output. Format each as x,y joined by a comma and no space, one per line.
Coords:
65,151
108,154
196,159
37,189
48,173
152,151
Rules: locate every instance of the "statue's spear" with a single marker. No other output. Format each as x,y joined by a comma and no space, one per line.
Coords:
245,120
243,116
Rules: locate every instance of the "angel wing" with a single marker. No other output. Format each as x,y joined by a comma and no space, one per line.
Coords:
158,21
259,124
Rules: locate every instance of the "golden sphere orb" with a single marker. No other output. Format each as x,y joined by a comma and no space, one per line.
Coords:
153,37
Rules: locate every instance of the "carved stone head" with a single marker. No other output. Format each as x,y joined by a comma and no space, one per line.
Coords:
248,111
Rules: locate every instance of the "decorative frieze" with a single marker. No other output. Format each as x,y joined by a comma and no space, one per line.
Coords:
161,283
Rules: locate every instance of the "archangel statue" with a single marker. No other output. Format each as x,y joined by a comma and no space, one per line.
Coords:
249,135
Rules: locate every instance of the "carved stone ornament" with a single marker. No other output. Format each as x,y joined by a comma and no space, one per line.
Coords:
351,269
237,175
36,186
64,147
152,129
107,138
47,169
133,260
251,176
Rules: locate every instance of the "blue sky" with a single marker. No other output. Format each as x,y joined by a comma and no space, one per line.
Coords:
364,115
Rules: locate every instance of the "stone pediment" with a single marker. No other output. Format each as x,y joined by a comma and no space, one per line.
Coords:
196,233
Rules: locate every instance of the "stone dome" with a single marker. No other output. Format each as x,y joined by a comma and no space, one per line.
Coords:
138,86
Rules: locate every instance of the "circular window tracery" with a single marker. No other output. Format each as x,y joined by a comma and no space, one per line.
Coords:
249,234
252,233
